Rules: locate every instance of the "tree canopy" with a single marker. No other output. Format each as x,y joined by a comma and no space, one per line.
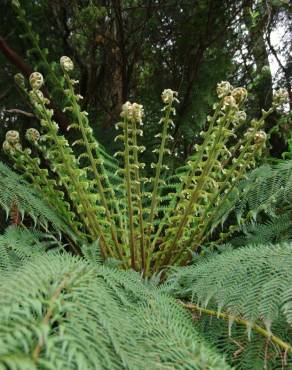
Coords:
133,48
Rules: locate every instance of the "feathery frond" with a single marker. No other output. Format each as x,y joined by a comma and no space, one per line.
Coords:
250,286
18,244
268,189
59,312
261,203
15,191
273,230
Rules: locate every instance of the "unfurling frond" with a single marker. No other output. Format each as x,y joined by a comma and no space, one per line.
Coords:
58,311
148,223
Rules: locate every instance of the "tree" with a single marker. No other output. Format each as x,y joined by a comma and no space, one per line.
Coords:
121,47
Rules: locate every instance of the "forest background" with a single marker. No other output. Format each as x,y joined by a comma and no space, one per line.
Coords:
126,49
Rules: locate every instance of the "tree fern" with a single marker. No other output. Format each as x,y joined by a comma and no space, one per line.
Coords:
135,217
59,312
144,234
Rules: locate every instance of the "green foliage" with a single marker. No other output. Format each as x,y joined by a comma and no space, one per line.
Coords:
250,287
126,210
18,244
268,189
15,192
255,353
247,286
59,312
261,204
273,230
136,218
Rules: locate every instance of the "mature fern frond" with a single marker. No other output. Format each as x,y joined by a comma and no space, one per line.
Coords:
263,197
15,191
255,353
247,285
59,312
274,230
250,286
267,189
18,244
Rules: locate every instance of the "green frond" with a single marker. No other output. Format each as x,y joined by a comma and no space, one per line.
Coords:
59,312
247,275
266,189
274,230
18,244
14,191
250,286
261,203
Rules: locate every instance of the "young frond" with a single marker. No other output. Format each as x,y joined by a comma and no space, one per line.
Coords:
59,311
145,218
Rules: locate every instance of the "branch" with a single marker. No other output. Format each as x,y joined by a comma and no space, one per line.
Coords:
14,58
19,111
26,70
